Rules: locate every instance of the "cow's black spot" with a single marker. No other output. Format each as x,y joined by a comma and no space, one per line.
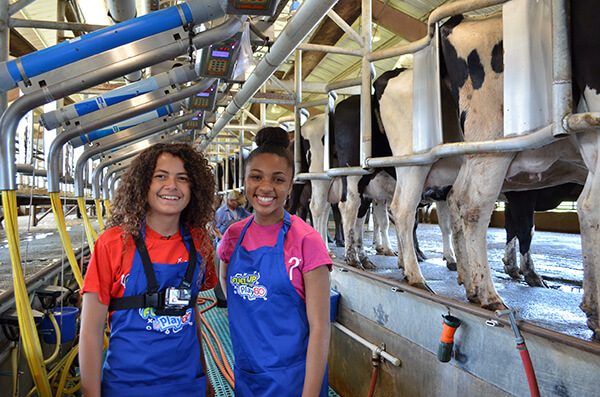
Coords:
344,189
498,58
463,118
475,70
382,81
456,67
447,28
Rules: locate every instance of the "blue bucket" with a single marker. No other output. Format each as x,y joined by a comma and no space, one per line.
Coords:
334,297
66,317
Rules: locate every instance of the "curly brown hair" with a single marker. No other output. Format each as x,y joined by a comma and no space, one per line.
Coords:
130,205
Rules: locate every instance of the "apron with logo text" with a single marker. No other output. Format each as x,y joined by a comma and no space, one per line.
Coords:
152,355
267,320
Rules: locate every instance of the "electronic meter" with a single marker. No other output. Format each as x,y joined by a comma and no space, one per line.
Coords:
197,123
205,100
219,60
252,7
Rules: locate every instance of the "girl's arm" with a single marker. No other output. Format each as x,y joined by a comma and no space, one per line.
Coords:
210,391
223,277
316,284
93,320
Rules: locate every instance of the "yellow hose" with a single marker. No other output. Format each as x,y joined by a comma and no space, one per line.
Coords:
65,372
58,338
99,211
31,343
89,230
64,236
107,207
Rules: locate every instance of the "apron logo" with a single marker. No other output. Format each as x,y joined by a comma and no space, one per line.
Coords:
246,285
166,324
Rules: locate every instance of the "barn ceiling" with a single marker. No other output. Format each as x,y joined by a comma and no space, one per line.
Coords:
395,22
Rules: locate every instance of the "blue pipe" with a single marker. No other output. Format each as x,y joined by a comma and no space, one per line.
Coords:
42,61
122,125
53,119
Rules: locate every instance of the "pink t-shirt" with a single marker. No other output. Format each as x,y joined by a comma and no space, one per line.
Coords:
303,248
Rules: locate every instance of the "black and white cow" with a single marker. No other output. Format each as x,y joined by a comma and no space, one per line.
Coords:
394,95
472,50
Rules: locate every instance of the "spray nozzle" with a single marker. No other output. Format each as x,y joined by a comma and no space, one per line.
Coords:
451,323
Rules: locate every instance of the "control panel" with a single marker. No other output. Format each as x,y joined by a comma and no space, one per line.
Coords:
205,100
252,7
219,60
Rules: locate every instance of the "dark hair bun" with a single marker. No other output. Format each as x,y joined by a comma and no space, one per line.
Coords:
272,136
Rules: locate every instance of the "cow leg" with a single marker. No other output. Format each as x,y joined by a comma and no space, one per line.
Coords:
589,219
443,213
319,207
339,231
358,233
380,214
511,267
409,184
473,199
349,211
420,255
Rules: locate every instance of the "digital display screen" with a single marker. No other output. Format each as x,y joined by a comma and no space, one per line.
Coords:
220,54
204,94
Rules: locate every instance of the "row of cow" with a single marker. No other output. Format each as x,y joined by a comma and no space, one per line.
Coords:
473,102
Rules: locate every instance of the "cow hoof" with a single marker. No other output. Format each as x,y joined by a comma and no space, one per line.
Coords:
534,280
368,265
424,286
511,269
451,266
339,243
493,306
420,256
331,255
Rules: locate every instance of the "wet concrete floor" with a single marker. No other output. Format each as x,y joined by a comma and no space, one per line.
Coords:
40,246
557,258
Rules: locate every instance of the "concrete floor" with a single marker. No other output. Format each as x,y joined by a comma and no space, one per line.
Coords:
557,258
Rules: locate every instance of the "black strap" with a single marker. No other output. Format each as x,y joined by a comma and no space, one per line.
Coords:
152,297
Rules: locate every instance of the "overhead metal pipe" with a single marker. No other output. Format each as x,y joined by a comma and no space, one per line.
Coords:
114,180
121,10
10,118
111,117
76,27
27,169
130,135
123,154
179,75
125,124
307,17
121,167
71,51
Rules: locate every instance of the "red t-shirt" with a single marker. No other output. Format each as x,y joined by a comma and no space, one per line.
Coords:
303,248
112,258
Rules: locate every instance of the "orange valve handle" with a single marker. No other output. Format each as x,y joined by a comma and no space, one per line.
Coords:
451,323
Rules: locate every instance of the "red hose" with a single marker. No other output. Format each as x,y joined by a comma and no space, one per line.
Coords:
533,386
373,381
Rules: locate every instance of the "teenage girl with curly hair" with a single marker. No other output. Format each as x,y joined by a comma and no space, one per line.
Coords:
144,276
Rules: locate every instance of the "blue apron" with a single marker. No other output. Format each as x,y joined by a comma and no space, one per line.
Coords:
268,323
151,355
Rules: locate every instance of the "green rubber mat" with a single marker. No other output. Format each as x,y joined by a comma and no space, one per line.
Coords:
217,318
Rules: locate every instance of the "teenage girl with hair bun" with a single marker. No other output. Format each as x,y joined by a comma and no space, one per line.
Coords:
276,273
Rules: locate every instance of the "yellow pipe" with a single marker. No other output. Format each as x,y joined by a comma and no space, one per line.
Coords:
64,236
31,343
107,207
58,338
99,211
65,372
89,230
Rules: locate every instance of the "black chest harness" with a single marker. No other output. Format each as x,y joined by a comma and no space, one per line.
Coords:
171,301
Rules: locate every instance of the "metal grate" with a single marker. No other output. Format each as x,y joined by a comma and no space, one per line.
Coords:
217,318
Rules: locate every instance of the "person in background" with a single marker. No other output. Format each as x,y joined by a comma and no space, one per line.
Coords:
232,211
275,271
145,274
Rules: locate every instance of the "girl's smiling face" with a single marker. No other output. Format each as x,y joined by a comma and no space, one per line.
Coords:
169,191
268,183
